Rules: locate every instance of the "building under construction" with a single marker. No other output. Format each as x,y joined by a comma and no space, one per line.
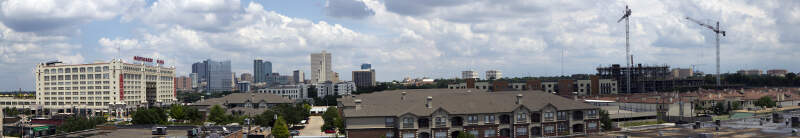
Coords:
645,78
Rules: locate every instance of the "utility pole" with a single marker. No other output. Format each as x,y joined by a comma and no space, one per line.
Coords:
626,16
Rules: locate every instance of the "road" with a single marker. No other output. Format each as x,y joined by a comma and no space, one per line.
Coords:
313,128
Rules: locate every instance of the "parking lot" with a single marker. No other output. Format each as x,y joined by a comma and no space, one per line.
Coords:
128,133
314,127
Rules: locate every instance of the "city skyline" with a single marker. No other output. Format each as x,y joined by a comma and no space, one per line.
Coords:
436,39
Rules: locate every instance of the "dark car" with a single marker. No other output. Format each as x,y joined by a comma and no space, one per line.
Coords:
294,132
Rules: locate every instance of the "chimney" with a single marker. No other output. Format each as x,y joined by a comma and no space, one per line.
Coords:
519,98
429,103
358,103
403,97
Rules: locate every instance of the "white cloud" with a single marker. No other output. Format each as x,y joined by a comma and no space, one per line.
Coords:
57,16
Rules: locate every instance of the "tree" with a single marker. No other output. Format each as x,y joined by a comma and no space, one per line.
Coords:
734,106
292,113
153,115
194,115
719,108
605,120
217,115
178,112
265,119
465,135
765,101
79,123
332,120
280,130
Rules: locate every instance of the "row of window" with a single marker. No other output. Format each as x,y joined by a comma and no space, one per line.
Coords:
522,117
76,77
76,70
78,103
78,88
76,83
77,98
76,93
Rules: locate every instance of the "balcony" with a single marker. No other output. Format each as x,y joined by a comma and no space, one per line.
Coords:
577,115
505,119
456,121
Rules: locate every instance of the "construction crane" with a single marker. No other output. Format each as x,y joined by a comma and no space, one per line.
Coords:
625,16
717,31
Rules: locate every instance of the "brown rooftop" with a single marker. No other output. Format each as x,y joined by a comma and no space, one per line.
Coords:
453,101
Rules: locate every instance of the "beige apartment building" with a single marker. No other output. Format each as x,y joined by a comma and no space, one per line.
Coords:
442,113
102,88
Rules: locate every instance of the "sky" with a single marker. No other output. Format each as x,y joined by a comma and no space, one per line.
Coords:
400,38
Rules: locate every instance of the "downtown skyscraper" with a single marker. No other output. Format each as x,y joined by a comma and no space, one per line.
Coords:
261,69
321,71
216,75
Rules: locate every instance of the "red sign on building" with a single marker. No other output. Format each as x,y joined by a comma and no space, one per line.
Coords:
121,87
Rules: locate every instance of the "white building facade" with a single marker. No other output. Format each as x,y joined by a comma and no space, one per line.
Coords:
95,88
340,88
299,91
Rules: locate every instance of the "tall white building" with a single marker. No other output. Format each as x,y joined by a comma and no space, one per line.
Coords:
321,67
493,74
469,74
95,88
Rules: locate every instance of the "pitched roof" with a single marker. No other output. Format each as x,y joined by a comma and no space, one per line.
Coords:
453,101
243,97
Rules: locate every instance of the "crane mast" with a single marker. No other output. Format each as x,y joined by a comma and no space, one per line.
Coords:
717,32
625,16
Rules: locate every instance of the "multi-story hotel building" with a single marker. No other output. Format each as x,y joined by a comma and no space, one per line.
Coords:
442,113
105,87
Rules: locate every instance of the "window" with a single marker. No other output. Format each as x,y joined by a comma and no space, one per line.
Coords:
408,135
562,116
522,117
389,122
390,134
549,129
440,122
592,113
548,116
592,125
105,68
474,133
440,135
472,119
408,122
65,71
563,127
488,119
522,131
488,133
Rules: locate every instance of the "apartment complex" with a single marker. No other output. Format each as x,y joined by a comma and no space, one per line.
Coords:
441,113
469,74
321,71
777,72
364,77
753,72
339,88
646,78
591,86
493,74
92,88
242,103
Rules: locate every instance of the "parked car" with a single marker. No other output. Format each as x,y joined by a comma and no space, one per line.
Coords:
159,130
294,132
329,131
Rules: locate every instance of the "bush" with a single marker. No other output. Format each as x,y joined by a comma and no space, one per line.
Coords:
148,116
80,123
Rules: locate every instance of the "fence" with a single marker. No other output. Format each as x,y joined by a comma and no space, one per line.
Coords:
674,119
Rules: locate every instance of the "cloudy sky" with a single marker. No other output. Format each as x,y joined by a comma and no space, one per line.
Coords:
400,38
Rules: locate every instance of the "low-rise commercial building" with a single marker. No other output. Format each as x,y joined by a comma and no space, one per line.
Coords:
426,113
293,92
591,86
340,88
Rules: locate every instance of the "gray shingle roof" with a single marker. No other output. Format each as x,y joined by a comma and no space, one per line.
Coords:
242,97
454,101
